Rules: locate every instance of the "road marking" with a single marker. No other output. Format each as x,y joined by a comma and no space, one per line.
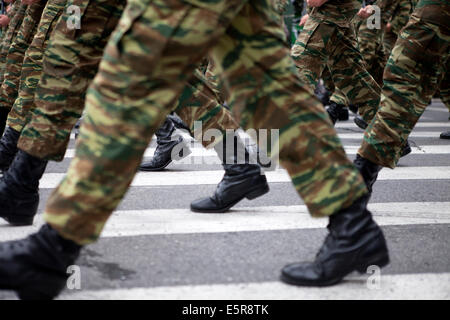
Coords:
414,134
351,125
434,286
198,151
181,221
212,177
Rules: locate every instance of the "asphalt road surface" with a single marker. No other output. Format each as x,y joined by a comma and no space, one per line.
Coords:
153,247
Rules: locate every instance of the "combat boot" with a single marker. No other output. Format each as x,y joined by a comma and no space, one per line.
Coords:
406,149
445,135
337,112
353,108
354,243
343,114
239,181
36,267
360,122
368,170
19,189
166,143
3,117
8,147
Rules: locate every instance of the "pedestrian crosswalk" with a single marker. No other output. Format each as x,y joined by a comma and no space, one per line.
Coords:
154,247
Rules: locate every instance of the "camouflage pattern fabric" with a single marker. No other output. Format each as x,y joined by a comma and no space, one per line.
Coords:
11,33
371,47
32,65
200,101
16,53
155,49
328,39
59,98
399,16
414,71
70,63
10,14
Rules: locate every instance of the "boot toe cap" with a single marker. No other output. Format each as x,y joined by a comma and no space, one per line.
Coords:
302,273
205,205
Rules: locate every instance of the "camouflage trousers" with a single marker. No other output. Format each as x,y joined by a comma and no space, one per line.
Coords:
203,100
10,35
414,71
371,47
32,65
151,54
337,95
322,44
16,53
71,62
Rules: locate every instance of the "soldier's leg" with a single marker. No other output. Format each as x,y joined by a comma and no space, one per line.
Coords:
32,65
11,33
349,73
369,42
70,63
8,36
29,79
322,44
138,81
411,77
337,107
280,101
243,178
16,53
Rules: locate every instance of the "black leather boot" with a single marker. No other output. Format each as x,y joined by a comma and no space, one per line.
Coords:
343,114
19,189
178,122
406,149
8,147
445,135
354,243
368,170
360,122
336,111
239,181
353,108
3,117
164,149
36,267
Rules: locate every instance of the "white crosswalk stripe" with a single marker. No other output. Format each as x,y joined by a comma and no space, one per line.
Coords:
393,287
156,220
145,179
180,221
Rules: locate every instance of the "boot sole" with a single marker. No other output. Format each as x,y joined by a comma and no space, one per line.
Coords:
250,196
36,292
380,260
14,222
183,154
